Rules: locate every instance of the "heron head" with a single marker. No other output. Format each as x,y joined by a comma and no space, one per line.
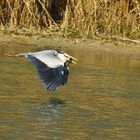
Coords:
66,58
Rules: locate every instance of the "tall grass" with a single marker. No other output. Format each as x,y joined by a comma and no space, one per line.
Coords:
77,17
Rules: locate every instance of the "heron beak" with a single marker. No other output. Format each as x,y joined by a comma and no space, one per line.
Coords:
73,60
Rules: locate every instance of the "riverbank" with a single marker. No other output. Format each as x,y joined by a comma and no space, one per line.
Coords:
40,42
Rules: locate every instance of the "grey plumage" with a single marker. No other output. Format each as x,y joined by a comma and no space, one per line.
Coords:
52,66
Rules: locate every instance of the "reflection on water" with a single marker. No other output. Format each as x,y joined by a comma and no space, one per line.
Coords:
52,108
100,101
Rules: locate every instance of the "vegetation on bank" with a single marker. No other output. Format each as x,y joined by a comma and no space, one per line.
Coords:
79,18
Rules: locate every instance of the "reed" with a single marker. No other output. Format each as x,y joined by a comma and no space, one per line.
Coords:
74,17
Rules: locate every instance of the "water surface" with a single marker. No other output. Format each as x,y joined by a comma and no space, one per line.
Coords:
100,102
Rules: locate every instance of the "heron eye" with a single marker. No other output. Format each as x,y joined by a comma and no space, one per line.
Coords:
55,54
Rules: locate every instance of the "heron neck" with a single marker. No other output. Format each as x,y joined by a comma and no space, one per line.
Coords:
66,64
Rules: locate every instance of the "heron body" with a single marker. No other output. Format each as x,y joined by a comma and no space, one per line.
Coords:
52,66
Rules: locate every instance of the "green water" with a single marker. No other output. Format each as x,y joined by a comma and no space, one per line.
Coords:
100,102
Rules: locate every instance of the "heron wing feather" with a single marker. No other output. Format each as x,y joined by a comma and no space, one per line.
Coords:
49,58
52,78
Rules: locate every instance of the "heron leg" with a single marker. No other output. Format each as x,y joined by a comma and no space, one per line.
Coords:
10,55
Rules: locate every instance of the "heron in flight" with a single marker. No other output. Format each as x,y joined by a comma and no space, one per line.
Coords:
52,66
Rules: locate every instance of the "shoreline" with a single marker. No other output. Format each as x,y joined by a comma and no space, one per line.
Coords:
8,41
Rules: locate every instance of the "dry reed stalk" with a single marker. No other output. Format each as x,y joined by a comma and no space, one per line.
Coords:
64,26
47,13
28,6
13,18
81,17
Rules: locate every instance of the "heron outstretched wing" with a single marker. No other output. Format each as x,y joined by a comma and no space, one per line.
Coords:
47,57
52,78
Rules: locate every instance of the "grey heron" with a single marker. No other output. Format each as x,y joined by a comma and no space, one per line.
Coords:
52,66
